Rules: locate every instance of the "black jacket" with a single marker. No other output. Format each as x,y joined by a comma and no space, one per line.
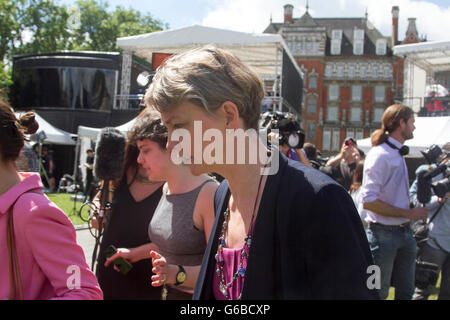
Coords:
308,242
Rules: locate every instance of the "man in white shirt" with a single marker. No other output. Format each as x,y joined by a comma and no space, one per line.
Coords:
385,194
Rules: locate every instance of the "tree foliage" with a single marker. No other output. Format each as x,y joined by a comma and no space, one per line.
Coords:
40,26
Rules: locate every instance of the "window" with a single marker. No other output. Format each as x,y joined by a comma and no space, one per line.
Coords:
332,114
358,34
358,41
381,47
350,134
311,133
335,46
340,71
336,34
335,143
356,93
358,47
326,139
333,92
331,139
379,93
312,104
359,134
313,82
355,114
328,71
377,114
351,71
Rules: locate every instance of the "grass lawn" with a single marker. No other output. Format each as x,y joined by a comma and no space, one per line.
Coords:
433,296
63,201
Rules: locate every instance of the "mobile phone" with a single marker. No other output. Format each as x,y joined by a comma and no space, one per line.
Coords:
123,265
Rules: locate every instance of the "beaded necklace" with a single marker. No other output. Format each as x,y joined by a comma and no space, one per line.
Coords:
223,286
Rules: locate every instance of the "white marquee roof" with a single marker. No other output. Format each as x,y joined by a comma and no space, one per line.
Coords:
259,51
429,130
431,56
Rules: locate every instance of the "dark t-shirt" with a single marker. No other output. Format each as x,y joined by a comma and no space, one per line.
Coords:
89,172
127,227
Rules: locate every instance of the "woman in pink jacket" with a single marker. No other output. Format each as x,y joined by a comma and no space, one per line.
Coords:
47,263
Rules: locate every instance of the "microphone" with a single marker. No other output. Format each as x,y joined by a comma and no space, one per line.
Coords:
108,166
109,154
423,187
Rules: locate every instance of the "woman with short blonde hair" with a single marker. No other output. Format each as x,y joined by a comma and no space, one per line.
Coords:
294,234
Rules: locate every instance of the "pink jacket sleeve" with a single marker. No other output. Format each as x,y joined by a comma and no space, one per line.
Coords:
52,239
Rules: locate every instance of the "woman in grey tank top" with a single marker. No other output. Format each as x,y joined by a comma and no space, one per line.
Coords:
182,222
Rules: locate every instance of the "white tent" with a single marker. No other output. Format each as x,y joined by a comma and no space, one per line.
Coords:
429,130
260,51
92,133
85,137
53,134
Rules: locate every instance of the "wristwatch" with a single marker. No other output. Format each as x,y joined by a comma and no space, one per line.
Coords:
181,276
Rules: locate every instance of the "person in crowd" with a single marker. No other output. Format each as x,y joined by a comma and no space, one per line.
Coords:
311,154
286,127
436,249
385,194
48,166
27,160
134,201
183,218
294,234
355,191
342,167
89,185
41,258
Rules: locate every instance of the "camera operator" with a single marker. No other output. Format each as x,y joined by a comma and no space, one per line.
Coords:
435,250
342,167
290,137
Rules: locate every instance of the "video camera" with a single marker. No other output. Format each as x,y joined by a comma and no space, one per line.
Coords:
434,155
286,123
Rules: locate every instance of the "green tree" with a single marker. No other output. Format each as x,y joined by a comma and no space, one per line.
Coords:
10,28
99,28
47,24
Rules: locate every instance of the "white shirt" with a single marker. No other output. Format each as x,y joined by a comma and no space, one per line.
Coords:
385,178
356,196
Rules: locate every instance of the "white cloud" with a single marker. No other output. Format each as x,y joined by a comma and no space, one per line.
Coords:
253,15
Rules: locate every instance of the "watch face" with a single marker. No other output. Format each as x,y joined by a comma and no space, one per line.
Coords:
293,140
181,276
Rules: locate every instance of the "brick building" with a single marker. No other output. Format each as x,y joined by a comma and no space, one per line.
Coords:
350,73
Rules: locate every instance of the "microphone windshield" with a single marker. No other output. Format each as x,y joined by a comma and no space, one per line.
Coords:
109,154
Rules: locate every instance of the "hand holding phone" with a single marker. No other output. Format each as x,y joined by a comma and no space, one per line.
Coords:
122,264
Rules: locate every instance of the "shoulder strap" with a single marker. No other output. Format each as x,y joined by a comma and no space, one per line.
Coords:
222,194
14,270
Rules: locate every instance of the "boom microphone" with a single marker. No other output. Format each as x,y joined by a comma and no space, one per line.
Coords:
109,154
108,166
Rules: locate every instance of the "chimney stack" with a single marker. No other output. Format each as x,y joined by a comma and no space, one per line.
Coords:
395,12
288,10
411,36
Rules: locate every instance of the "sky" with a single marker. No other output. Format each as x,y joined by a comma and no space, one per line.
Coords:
432,16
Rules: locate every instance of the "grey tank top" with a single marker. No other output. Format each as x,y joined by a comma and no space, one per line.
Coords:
172,228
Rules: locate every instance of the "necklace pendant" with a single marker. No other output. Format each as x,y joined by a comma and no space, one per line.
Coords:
241,271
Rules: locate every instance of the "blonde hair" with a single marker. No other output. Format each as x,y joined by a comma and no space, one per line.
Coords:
207,77
390,122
